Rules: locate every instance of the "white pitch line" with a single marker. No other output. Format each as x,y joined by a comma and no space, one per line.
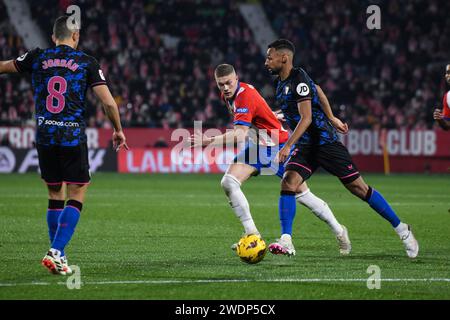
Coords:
199,281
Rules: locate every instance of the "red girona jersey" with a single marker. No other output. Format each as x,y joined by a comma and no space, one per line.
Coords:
250,109
446,106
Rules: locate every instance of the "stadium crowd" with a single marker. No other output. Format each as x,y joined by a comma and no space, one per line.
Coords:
159,57
393,77
16,97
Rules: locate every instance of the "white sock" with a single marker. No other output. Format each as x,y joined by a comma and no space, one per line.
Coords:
238,202
402,229
321,209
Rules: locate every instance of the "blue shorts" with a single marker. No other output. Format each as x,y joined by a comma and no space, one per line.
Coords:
261,158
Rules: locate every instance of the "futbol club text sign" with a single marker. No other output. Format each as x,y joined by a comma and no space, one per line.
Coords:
398,143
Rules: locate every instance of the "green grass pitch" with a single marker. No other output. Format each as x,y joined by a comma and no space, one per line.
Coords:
169,237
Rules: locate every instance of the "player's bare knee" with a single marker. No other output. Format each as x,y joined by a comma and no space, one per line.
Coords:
291,181
76,192
56,192
358,188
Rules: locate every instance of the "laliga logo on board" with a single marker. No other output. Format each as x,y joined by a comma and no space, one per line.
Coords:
7,160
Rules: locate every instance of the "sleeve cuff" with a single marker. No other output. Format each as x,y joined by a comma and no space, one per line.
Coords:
242,123
17,66
304,99
98,84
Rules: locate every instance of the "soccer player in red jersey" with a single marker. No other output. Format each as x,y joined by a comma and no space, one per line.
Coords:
253,119
442,116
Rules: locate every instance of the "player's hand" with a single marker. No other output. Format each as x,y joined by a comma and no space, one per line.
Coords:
437,114
119,141
198,140
340,126
280,116
283,154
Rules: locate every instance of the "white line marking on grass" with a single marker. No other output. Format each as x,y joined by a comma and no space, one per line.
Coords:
200,281
25,284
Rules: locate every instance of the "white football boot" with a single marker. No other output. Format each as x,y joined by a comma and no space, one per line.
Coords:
410,243
345,246
52,261
283,245
65,263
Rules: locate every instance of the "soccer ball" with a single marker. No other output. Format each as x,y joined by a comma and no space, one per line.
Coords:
251,248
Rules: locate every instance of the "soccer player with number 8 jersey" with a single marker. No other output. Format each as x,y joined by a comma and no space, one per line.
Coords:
60,78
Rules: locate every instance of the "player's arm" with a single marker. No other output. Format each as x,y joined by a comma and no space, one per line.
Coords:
23,64
326,107
112,112
238,134
305,111
7,67
441,120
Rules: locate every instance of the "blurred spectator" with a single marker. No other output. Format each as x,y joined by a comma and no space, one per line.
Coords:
160,143
392,76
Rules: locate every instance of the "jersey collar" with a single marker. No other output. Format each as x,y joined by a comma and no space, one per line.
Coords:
289,76
65,46
235,92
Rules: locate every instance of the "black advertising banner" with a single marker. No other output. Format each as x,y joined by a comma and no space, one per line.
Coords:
26,160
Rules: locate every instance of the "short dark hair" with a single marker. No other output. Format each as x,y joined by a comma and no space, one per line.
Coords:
282,44
60,29
223,70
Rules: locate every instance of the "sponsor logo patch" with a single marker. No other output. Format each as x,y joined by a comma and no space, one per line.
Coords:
242,110
42,121
22,57
302,89
102,76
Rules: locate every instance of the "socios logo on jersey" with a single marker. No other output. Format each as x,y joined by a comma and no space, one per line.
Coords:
302,89
43,121
40,121
242,110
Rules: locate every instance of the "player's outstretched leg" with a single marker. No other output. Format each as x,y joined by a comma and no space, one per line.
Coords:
377,202
231,184
238,202
289,184
321,209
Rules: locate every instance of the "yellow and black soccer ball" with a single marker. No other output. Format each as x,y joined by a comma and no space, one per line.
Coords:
251,248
